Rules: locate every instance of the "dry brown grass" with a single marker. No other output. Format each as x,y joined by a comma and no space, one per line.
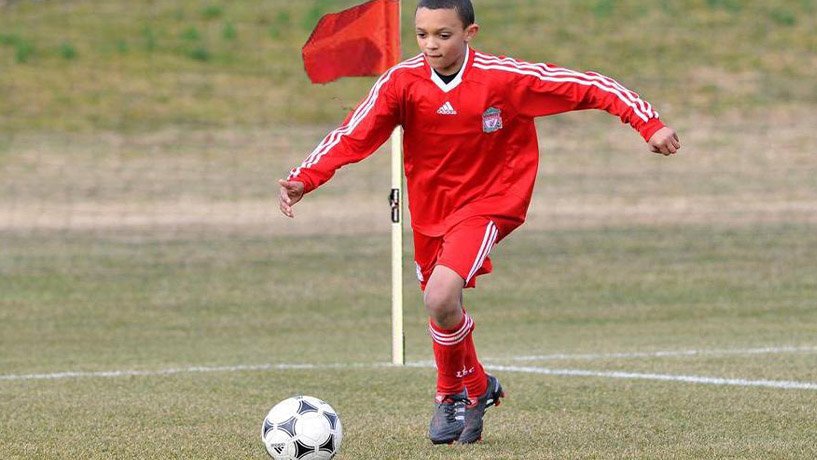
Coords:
734,169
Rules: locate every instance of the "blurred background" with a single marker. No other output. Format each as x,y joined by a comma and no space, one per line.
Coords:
121,117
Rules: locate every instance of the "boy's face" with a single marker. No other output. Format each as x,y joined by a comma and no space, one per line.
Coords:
442,38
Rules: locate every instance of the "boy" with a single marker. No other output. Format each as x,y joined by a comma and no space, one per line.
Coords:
471,158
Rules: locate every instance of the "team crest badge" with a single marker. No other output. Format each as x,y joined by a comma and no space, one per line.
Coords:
492,120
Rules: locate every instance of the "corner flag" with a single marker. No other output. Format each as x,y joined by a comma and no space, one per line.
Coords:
360,41
365,41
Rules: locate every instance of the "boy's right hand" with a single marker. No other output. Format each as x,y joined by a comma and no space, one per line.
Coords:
291,193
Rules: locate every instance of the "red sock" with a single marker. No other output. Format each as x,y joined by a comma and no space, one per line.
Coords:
476,382
449,353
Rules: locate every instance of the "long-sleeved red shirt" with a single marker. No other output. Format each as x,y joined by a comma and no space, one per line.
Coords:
470,145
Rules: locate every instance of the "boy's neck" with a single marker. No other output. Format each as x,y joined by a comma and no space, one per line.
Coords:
446,78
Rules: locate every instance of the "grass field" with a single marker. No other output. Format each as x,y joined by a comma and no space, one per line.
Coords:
154,305
632,268
110,304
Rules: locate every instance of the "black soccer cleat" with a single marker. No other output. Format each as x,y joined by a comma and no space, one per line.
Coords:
448,420
475,411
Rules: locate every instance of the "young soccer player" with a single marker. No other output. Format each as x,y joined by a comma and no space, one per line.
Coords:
471,158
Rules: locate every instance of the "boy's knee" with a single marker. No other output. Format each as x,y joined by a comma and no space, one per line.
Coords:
437,301
443,296
443,307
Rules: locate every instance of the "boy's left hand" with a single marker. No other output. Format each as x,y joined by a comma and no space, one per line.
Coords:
665,141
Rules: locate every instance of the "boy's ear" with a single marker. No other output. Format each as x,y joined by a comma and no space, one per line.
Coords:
471,32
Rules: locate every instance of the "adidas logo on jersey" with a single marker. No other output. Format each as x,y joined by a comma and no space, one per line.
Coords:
447,109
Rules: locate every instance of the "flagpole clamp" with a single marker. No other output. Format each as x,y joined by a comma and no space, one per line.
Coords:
394,201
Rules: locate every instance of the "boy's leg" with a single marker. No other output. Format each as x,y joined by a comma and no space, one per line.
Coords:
445,266
460,250
447,325
464,256
474,378
461,256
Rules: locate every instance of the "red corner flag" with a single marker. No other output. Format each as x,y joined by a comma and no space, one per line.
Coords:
363,40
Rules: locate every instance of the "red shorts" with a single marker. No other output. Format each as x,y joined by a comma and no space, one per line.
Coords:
464,248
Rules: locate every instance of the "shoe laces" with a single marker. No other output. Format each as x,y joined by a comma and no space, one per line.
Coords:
450,403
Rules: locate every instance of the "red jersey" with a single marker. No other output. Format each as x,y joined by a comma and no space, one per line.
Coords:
470,145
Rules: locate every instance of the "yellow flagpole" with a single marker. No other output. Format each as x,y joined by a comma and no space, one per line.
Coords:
398,352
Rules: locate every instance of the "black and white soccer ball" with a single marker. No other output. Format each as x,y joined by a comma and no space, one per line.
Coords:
302,428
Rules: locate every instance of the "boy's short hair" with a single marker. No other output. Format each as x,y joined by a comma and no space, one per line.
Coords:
464,8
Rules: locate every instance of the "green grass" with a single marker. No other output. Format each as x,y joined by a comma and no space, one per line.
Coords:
546,418
74,303
72,294
162,250
225,64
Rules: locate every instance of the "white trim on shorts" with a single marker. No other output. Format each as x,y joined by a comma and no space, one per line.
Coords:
488,241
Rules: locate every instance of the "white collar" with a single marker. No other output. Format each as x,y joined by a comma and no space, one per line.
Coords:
446,87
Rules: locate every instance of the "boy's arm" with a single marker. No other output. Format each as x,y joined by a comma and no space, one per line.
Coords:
548,89
364,130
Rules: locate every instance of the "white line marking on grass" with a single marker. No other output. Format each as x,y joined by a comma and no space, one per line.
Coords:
783,384
189,370
660,354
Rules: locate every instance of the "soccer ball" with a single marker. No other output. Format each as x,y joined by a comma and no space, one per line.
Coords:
302,428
